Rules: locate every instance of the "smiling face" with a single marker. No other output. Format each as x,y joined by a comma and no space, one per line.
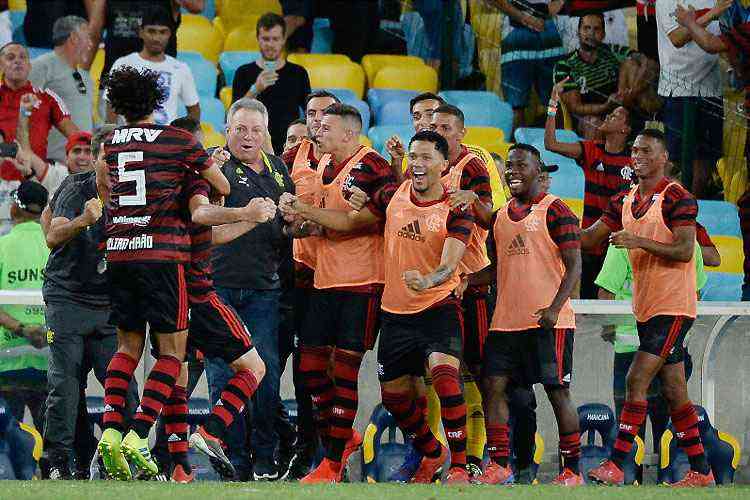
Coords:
649,157
616,122
314,113
426,164
79,158
246,133
522,172
421,114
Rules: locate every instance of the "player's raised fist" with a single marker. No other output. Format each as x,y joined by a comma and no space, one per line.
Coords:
358,198
92,210
414,280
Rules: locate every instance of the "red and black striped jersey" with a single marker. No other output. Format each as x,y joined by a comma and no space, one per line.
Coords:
200,284
679,207
148,168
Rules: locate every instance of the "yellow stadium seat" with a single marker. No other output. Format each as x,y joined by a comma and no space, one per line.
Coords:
16,4
218,24
576,205
364,140
312,59
732,256
241,38
567,119
728,168
372,63
490,138
211,138
419,78
225,95
235,13
96,66
199,36
338,75
736,187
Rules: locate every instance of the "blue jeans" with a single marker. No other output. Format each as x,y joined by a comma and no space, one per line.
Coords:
259,309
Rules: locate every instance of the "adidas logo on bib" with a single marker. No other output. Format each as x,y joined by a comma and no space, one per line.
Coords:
517,247
412,231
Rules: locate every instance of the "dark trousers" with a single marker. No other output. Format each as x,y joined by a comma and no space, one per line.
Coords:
355,25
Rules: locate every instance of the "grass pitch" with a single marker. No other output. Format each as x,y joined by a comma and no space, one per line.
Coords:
100,490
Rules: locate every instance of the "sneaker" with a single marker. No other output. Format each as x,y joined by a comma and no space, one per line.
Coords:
474,470
327,472
300,463
136,450
694,479
568,478
607,473
430,469
212,447
265,469
409,467
59,473
457,476
350,447
110,450
495,474
180,475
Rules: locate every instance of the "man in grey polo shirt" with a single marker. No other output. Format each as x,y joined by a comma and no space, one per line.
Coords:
65,71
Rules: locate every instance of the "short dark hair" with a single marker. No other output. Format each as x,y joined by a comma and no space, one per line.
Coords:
595,14
450,109
268,20
298,121
315,94
438,140
425,96
134,94
656,134
344,111
157,16
528,148
186,123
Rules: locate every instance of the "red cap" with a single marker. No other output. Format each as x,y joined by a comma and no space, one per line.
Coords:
76,139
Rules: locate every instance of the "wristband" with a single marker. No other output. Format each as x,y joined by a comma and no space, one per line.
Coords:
551,111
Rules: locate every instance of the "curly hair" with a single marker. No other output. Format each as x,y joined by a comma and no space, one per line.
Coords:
133,93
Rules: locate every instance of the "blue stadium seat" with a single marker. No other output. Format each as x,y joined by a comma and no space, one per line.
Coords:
16,21
231,60
482,109
380,134
35,52
364,111
322,41
379,97
719,218
722,287
536,135
204,72
212,111
722,452
393,113
417,43
344,95
17,442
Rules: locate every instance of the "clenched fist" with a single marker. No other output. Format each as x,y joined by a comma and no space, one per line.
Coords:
92,210
260,210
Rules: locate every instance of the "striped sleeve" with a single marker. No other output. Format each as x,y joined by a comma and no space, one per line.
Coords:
679,207
475,177
58,109
460,224
702,236
563,226
612,216
374,176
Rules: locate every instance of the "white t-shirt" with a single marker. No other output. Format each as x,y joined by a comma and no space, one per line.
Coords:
688,71
175,76
53,177
6,187
615,29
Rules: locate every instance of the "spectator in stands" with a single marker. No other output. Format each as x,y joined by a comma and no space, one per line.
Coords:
48,110
615,29
646,28
355,25
296,131
606,168
77,299
298,17
12,172
23,336
41,16
601,77
531,46
280,85
253,290
66,72
690,82
174,75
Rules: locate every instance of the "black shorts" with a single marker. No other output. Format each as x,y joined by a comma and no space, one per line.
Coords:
217,331
476,327
664,336
347,320
406,340
153,293
530,357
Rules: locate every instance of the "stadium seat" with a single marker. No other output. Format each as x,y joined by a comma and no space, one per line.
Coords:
212,111
338,75
419,78
313,59
16,21
372,63
380,134
722,451
322,42
719,217
732,255
481,108
236,13
343,95
417,43
490,138
365,141
364,111
230,61
204,72
393,113
241,38
378,97
212,138
576,205
536,135
35,52
17,5
97,65
567,182
20,447
225,96
197,34
381,459
722,287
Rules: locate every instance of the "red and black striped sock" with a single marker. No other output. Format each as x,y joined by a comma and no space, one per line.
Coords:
119,374
175,415
345,402
314,371
156,391
570,450
631,419
232,401
498,443
410,418
685,421
446,381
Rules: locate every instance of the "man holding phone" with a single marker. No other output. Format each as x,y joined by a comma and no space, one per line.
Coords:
280,85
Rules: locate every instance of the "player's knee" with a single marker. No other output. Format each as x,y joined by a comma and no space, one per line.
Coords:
250,361
558,396
636,385
494,390
674,392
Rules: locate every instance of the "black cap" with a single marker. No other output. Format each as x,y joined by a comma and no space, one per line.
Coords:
549,168
30,197
157,16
